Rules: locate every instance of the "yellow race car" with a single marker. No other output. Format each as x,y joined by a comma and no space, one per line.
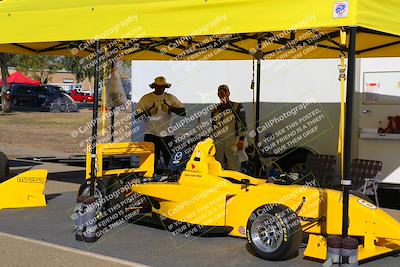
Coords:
273,218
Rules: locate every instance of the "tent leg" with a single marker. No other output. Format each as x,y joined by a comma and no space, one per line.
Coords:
95,115
112,124
346,182
257,122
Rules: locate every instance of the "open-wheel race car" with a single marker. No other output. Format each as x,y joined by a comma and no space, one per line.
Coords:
274,218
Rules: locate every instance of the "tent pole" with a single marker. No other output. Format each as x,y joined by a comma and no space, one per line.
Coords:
95,115
112,109
346,182
257,122
112,124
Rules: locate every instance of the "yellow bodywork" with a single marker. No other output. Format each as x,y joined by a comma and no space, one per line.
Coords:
145,151
209,196
24,190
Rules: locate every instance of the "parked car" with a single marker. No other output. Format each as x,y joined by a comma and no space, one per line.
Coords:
27,95
81,97
43,98
54,88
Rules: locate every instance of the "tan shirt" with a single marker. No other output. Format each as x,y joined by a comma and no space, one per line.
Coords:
160,119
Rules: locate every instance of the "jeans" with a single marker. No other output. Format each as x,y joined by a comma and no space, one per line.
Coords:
162,144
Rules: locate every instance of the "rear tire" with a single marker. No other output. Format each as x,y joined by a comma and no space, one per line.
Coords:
273,232
293,157
4,167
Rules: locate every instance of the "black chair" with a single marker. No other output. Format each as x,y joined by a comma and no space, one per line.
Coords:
321,168
365,176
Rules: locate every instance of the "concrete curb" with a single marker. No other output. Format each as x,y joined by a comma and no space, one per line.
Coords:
77,252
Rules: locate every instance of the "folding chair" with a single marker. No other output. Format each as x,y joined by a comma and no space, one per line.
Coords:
365,176
322,168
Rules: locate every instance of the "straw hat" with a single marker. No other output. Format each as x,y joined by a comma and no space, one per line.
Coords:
160,81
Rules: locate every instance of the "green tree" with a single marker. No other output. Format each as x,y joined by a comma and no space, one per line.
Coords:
41,66
80,67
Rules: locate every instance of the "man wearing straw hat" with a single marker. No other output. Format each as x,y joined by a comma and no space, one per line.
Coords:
156,108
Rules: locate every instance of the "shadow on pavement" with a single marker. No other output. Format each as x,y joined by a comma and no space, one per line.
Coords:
22,163
51,196
76,177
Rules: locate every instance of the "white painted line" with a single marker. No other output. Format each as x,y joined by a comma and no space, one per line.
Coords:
74,250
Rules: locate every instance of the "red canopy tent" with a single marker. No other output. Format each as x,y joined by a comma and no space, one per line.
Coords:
19,78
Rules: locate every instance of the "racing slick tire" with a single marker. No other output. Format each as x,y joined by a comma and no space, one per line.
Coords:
273,232
4,167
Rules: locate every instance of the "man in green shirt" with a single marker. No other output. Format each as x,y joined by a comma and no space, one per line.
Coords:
229,125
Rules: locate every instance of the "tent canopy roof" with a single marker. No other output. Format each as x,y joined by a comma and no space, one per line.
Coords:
199,29
19,78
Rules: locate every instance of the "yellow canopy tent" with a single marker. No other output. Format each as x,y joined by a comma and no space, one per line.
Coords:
174,26
206,30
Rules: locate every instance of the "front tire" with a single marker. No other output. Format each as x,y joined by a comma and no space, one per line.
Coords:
273,232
